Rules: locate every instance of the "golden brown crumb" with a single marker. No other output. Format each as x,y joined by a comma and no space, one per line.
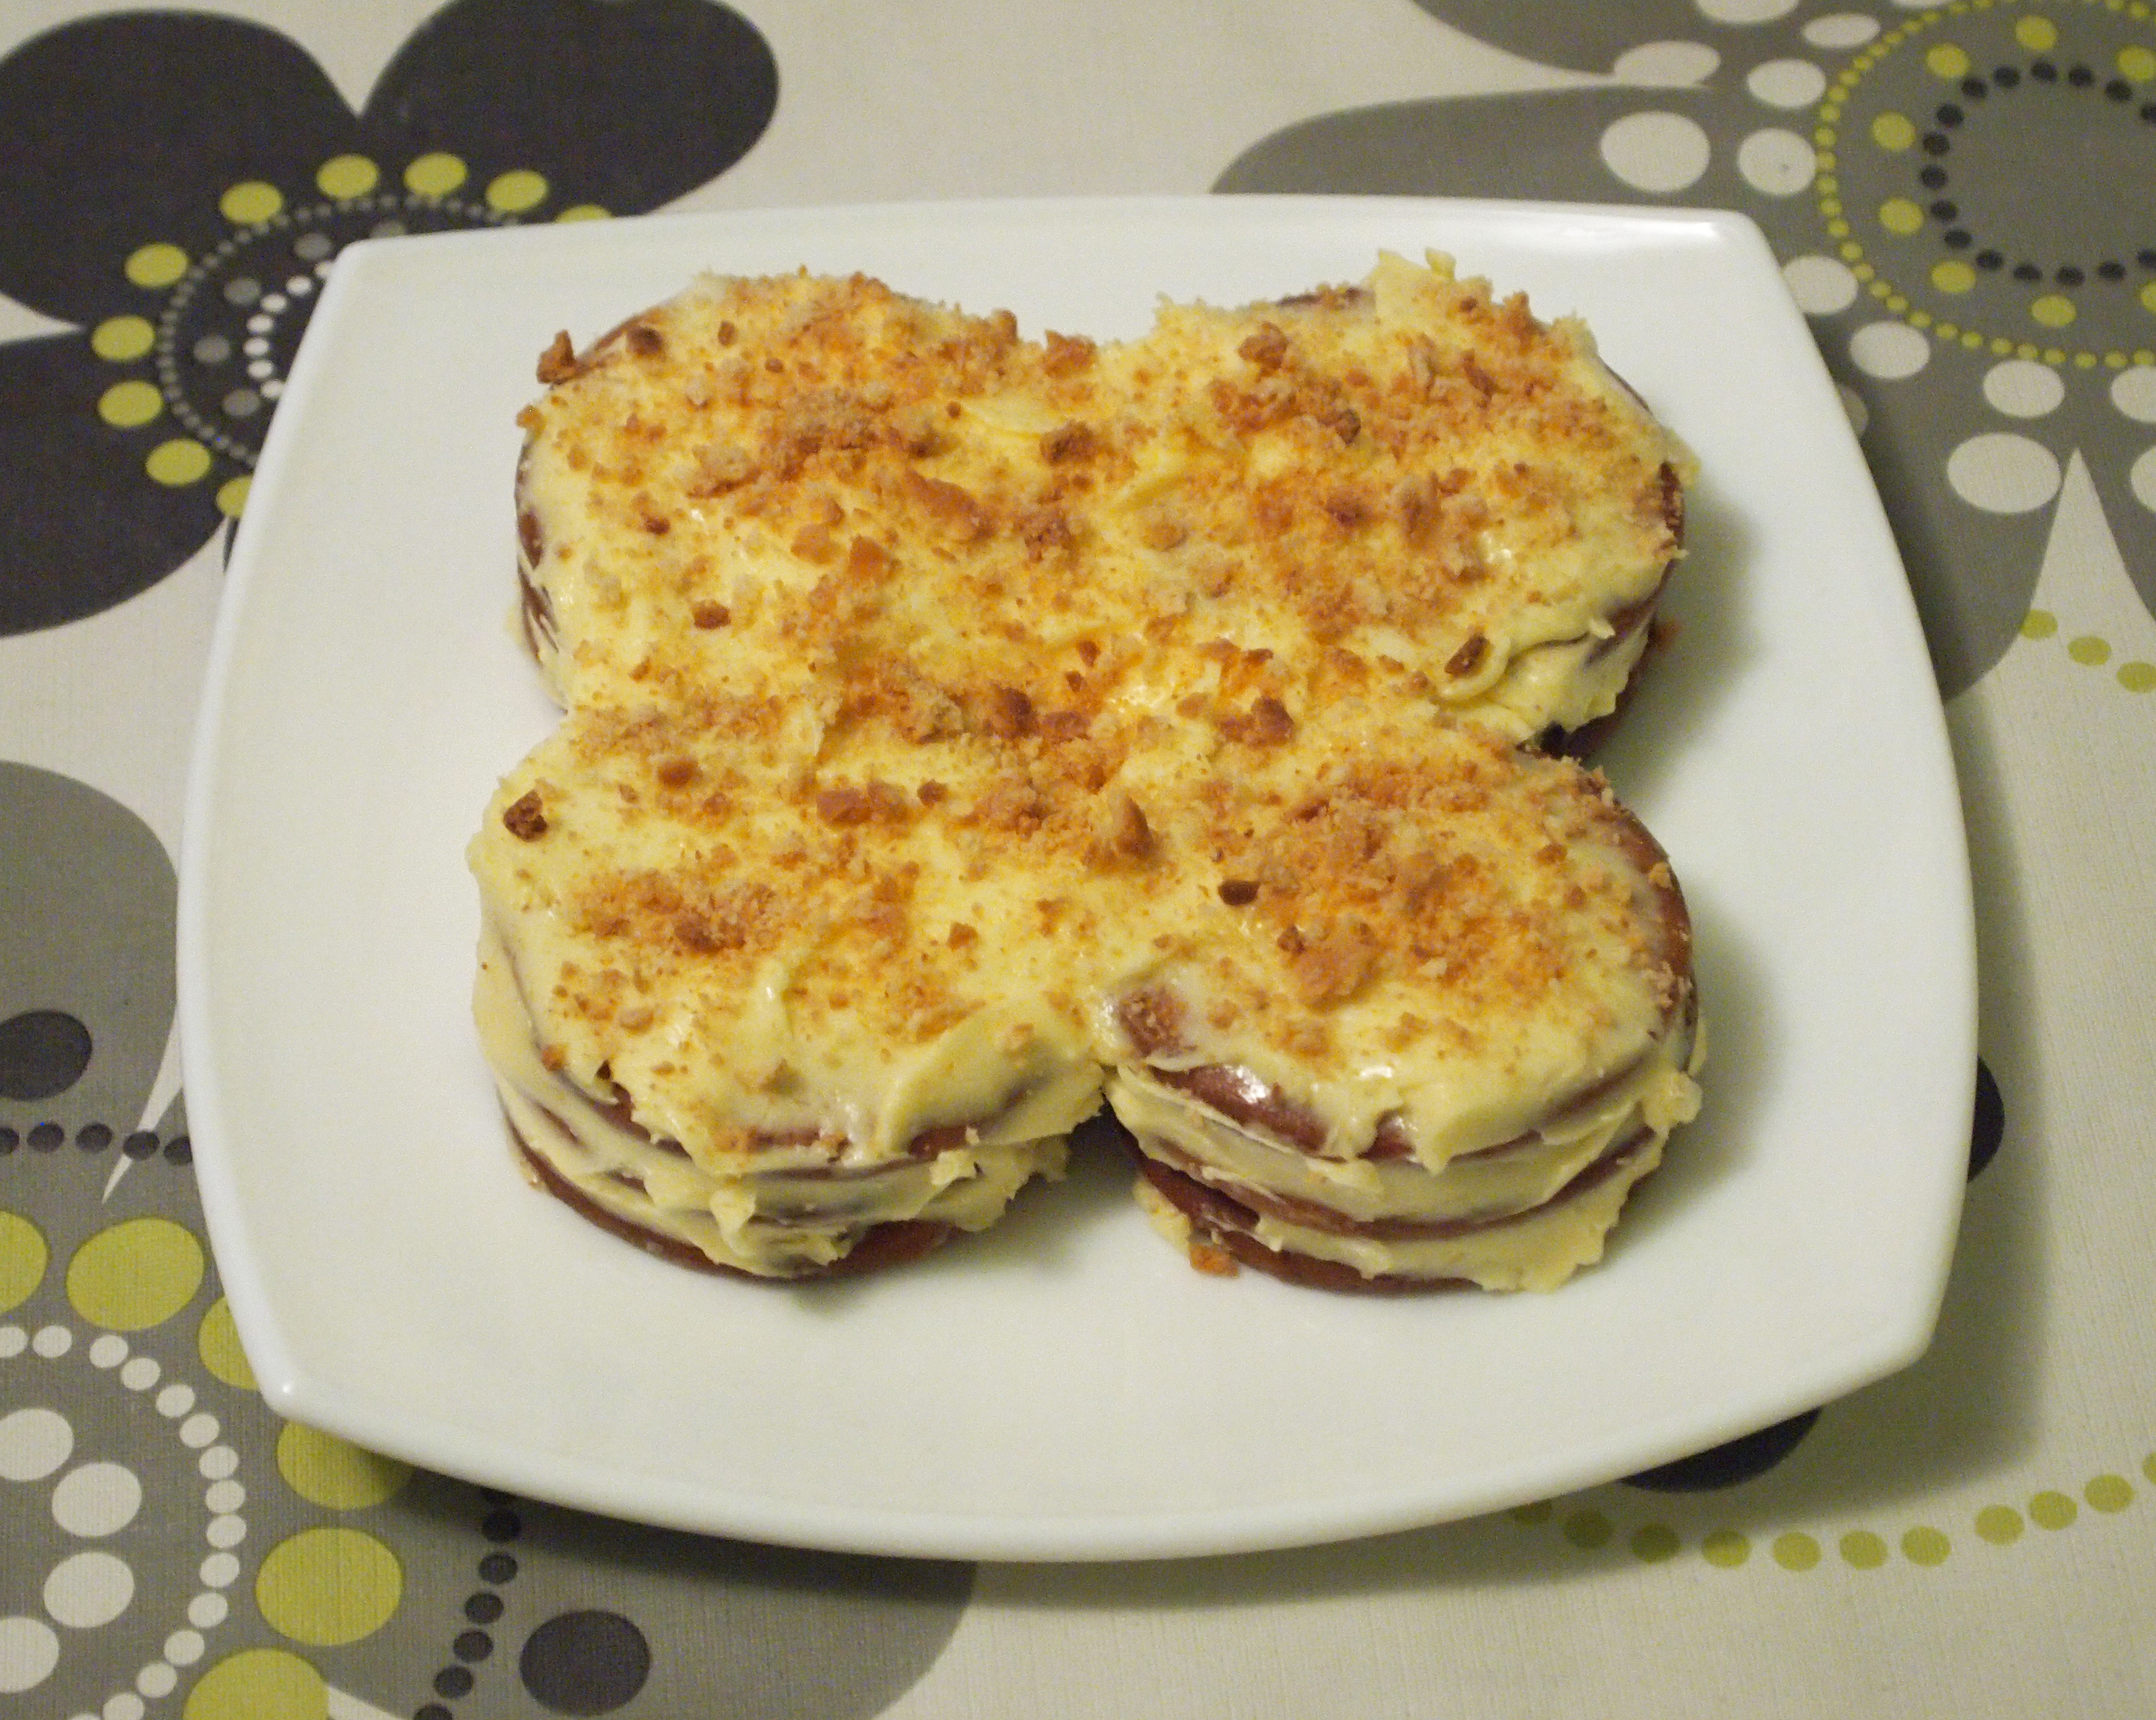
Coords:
525,818
558,362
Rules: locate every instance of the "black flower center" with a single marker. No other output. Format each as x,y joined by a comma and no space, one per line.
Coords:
1975,150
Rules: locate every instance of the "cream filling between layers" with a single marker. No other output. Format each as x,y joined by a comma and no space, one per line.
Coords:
1448,1107
1494,1183
1533,1240
780,1223
1565,685
1536,1250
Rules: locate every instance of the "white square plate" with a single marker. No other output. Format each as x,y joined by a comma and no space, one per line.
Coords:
1065,1386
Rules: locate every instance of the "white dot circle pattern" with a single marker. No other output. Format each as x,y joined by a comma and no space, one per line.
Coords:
2002,472
218,1462
2021,388
53,1341
97,1499
176,1400
1821,286
207,1611
140,1374
157,1680
1852,404
33,1443
1656,151
126,1706
29,1650
1890,351
2142,479
1666,65
1841,30
108,1351
220,1570
1746,12
2133,392
87,1589
12,1340
1786,83
1777,163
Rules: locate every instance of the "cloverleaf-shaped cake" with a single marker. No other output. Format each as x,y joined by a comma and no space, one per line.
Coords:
965,731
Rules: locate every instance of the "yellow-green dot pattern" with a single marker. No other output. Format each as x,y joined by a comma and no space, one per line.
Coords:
217,1341
24,1257
118,339
2089,650
1657,1543
2138,676
135,1274
249,202
157,265
258,1684
177,463
1999,1524
2052,1511
2108,1493
1925,1546
126,406
1654,1544
1725,1548
345,177
435,175
513,193
1893,131
1898,214
2038,624
1862,1550
1796,1551
327,1586
334,1473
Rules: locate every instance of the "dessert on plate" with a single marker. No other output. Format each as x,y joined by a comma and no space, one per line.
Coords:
962,729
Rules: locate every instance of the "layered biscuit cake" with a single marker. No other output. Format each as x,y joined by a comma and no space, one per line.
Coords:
962,728
1409,471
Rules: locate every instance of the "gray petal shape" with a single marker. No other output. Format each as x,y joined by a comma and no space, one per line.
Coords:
1586,38
1538,145
86,965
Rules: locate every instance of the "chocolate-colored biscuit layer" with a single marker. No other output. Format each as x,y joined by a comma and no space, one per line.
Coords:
889,1245
1217,1218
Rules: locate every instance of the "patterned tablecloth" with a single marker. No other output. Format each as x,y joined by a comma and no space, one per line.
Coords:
1963,199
